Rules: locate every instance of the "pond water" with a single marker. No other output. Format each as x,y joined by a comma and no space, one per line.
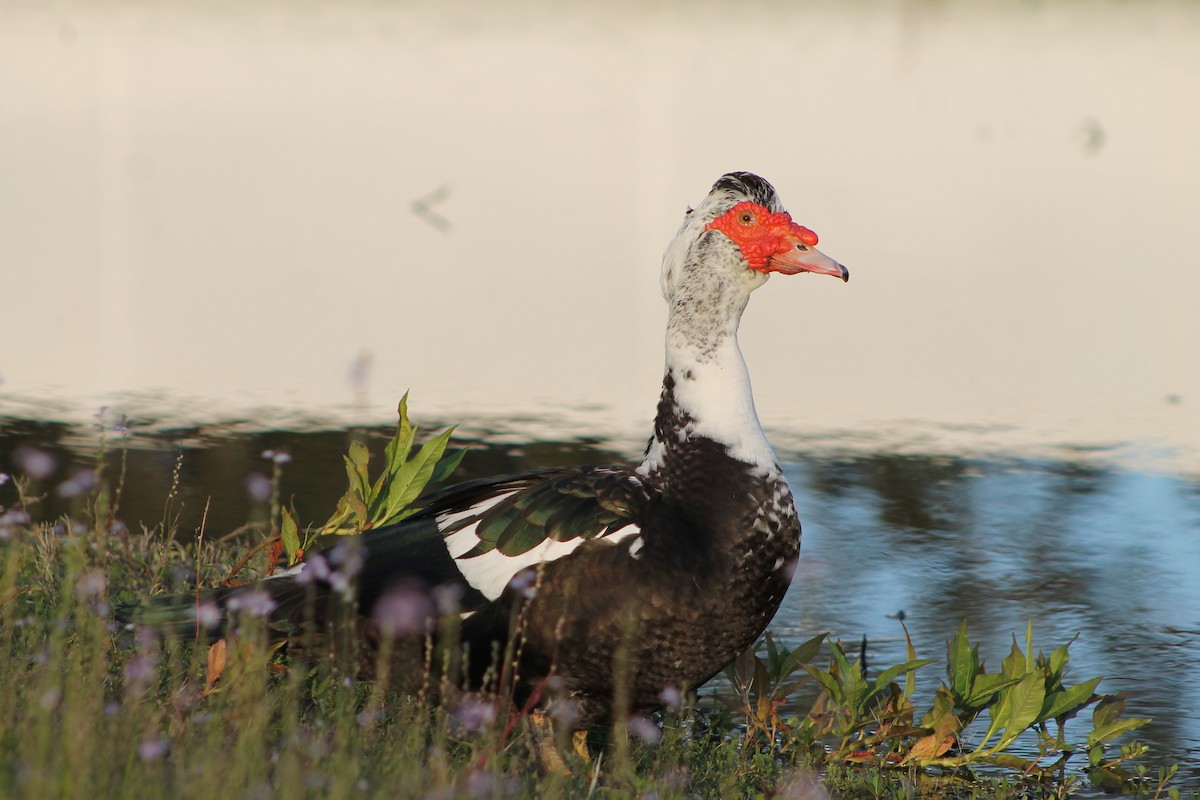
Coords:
251,226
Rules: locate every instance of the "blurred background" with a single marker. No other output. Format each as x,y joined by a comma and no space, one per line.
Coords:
247,224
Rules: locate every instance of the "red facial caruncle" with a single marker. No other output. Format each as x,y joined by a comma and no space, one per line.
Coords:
771,242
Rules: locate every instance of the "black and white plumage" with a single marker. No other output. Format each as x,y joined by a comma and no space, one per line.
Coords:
679,562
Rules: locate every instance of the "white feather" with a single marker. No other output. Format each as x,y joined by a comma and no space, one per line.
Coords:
490,572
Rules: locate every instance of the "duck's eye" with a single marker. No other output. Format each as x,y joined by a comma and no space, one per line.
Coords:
746,218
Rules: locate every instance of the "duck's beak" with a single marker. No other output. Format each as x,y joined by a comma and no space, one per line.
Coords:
806,258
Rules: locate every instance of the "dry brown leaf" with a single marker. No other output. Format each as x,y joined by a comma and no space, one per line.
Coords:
928,747
216,664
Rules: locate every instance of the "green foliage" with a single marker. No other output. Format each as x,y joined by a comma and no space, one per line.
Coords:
869,721
389,497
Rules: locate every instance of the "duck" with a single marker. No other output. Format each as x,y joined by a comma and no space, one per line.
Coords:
599,588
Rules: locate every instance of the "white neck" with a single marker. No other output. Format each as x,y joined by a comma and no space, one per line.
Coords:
708,378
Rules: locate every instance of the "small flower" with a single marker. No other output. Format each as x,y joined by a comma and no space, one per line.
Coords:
252,603
37,464
448,598
208,615
524,583
802,785
488,784
671,697
90,584
10,519
359,370
314,568
50,698
474,715
258,486
277,456
152,749
140,671
78,484
403,611
3,478
644,729
347,558
565,712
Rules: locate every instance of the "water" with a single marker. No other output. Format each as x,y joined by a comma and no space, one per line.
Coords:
254,226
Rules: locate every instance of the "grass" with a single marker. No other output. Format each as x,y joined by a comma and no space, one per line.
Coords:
89,709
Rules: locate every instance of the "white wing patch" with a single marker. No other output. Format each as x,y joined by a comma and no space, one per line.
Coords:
490,572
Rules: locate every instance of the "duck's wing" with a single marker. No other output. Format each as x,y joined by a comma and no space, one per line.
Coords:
478,535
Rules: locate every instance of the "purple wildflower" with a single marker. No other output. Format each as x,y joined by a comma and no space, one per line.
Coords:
152,749
78,484
314,568
403,611
258,486
671,697
252,603
90,584
208,615
474,715
644,728
524,583
37,464
140,671
448,598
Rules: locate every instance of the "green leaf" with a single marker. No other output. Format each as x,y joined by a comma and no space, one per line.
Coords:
1114,729
962,662
1069,701
1024,705
804,653
356,460
445,468
1013,665
410,479
828,682
1108,709
1058,661
289,535
986,686
884,678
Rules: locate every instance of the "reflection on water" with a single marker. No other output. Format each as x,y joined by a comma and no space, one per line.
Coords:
1078,547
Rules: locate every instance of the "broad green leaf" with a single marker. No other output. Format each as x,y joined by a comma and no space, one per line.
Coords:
1115,729
772,650
357,459
986,686
962,662
828,682
289,535
884,678
445,468
1069,701
804,653
1013,665
1108,709
1058,661
1025,703
409,480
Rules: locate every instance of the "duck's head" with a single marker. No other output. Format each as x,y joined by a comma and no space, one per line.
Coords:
741,232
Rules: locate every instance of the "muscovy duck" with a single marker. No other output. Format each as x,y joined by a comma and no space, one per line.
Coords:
677,564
